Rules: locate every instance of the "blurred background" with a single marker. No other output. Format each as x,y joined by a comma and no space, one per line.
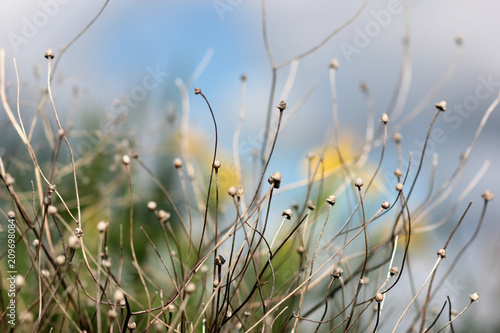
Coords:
136,51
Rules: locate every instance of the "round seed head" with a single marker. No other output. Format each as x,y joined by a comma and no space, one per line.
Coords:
399,187
474,297
398,172
384,118
8,179
170,308
334,64
60,260
177,163
102,226
310,205
19,281
287,213
487,196
11,214
281,106
61,133
441,106
300,249
364,280
397,137
78,232
358,183
231,191
379,297
331,200
219,260
52,210
394,271
386,205
45,273
163,215
197,91
244,77
190,288
106,263
73,241
204,269
441,253
126,159
364,87
112,314
132,325
36,242
275,179
26,317
459,39
152,206
49,54
118,296
337,272
239,191
216,164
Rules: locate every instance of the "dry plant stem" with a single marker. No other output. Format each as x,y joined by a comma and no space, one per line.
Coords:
466,154
326,305
409,232
184,144
290,114
418,293
370,118
237,132
264,168
336,128
428,297
257,284
437,317
379,310
65,48
292,74
326,39
268,120
304,290
478,176
98,290
402,87
432,93
464,248
201,67
168,197
302,55
131,236
312,275
458,315
37,175
22,134
190,274
211,175
188,204
423,155
161,259
365,262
